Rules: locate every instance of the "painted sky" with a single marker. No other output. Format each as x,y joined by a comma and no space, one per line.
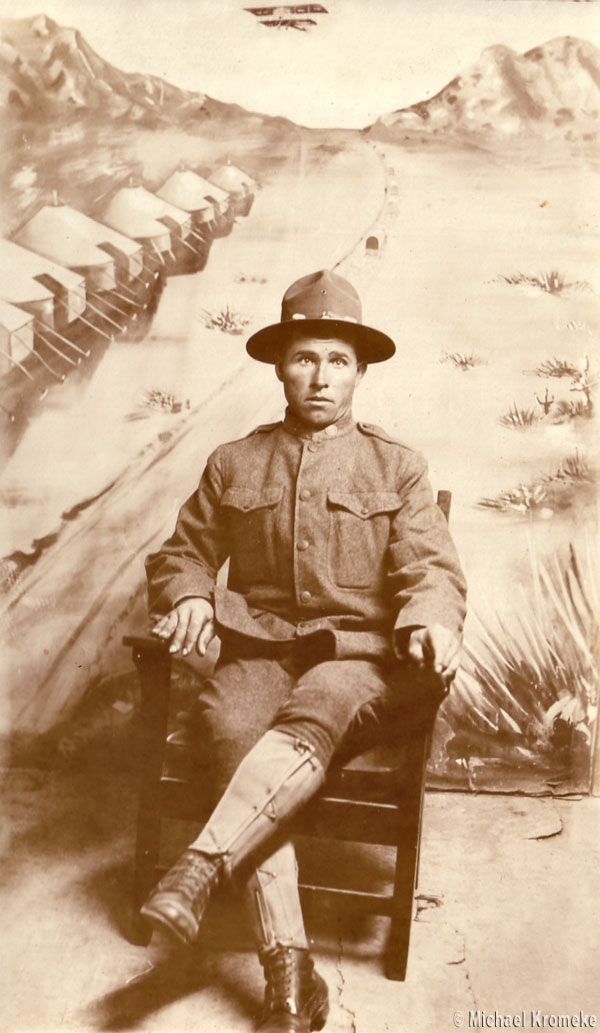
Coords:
365,57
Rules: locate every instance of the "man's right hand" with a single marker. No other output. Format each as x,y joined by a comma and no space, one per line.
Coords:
189,624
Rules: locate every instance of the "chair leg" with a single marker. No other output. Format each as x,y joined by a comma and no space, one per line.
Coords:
407,861
154,670
146,859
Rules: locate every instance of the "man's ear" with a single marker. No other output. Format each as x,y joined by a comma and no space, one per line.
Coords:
278,371
361,369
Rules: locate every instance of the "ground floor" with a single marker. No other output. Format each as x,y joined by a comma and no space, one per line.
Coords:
506,931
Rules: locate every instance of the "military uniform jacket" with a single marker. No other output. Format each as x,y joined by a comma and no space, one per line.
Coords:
332,533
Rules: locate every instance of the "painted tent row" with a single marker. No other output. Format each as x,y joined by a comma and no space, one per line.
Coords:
69,280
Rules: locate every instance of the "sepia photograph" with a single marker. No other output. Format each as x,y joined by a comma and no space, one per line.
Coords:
300,620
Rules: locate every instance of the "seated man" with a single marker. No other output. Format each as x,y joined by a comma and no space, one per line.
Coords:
344,593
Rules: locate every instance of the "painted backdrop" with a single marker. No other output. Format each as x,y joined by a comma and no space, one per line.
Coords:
158,197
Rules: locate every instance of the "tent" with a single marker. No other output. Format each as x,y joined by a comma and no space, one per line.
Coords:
212,193
148,218
43,288
229,177
188,191
241,187
54,233
16,335
126,253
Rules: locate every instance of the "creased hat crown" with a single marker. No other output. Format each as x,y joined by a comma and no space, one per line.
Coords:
322,295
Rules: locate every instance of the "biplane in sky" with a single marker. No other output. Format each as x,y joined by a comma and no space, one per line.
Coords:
294,16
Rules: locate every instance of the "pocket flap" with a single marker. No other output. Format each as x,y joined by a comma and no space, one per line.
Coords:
247,499
366,504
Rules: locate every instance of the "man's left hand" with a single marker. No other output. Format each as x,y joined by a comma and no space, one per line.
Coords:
435,650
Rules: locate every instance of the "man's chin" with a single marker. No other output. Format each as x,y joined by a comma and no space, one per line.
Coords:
318,418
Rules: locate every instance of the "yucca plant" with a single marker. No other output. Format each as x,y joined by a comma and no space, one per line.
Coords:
552,282
461,360
519,418
556,368
227,321
530,678
565,411
572,482
524,499
572,468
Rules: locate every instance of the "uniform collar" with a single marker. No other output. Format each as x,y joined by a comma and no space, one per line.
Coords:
299,430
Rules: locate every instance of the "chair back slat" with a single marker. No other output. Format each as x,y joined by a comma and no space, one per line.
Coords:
444,501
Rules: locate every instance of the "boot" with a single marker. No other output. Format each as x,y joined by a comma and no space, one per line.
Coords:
296,997
276,777
178,902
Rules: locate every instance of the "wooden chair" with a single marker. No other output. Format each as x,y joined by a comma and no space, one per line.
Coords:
375,798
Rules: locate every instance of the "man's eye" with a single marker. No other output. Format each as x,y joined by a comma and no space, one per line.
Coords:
339,362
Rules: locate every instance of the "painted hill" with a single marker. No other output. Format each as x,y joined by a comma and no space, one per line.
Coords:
48,72
552,91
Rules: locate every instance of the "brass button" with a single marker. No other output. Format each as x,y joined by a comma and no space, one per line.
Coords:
305,596
312,446
365,510
303,545
305,494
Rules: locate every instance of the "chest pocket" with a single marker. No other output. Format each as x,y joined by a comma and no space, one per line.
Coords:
251,517
359,531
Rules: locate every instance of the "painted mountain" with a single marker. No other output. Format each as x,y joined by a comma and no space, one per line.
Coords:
47,71
552,91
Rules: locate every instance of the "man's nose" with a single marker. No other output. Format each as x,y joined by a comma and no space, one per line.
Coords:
320,374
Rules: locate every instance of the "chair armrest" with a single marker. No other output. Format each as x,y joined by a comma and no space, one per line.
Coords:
145,642
153,662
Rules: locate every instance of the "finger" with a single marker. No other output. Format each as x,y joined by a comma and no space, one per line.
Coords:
183,617
449,652
193,630
415,650
432,649
452,667
206,636
442,649
165,626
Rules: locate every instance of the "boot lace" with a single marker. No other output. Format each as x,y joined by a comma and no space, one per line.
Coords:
283,982
190,874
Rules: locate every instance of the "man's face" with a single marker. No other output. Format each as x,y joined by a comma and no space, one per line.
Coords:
319,377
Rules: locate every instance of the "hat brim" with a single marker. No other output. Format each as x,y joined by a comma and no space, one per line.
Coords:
372,345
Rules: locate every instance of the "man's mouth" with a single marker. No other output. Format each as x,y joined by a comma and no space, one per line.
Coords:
318,398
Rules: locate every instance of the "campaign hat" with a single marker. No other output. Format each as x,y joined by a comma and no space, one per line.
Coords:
321,303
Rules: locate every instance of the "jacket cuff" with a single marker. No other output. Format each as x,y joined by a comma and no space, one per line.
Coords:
177,589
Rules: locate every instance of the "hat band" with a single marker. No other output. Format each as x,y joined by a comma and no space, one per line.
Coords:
325,315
